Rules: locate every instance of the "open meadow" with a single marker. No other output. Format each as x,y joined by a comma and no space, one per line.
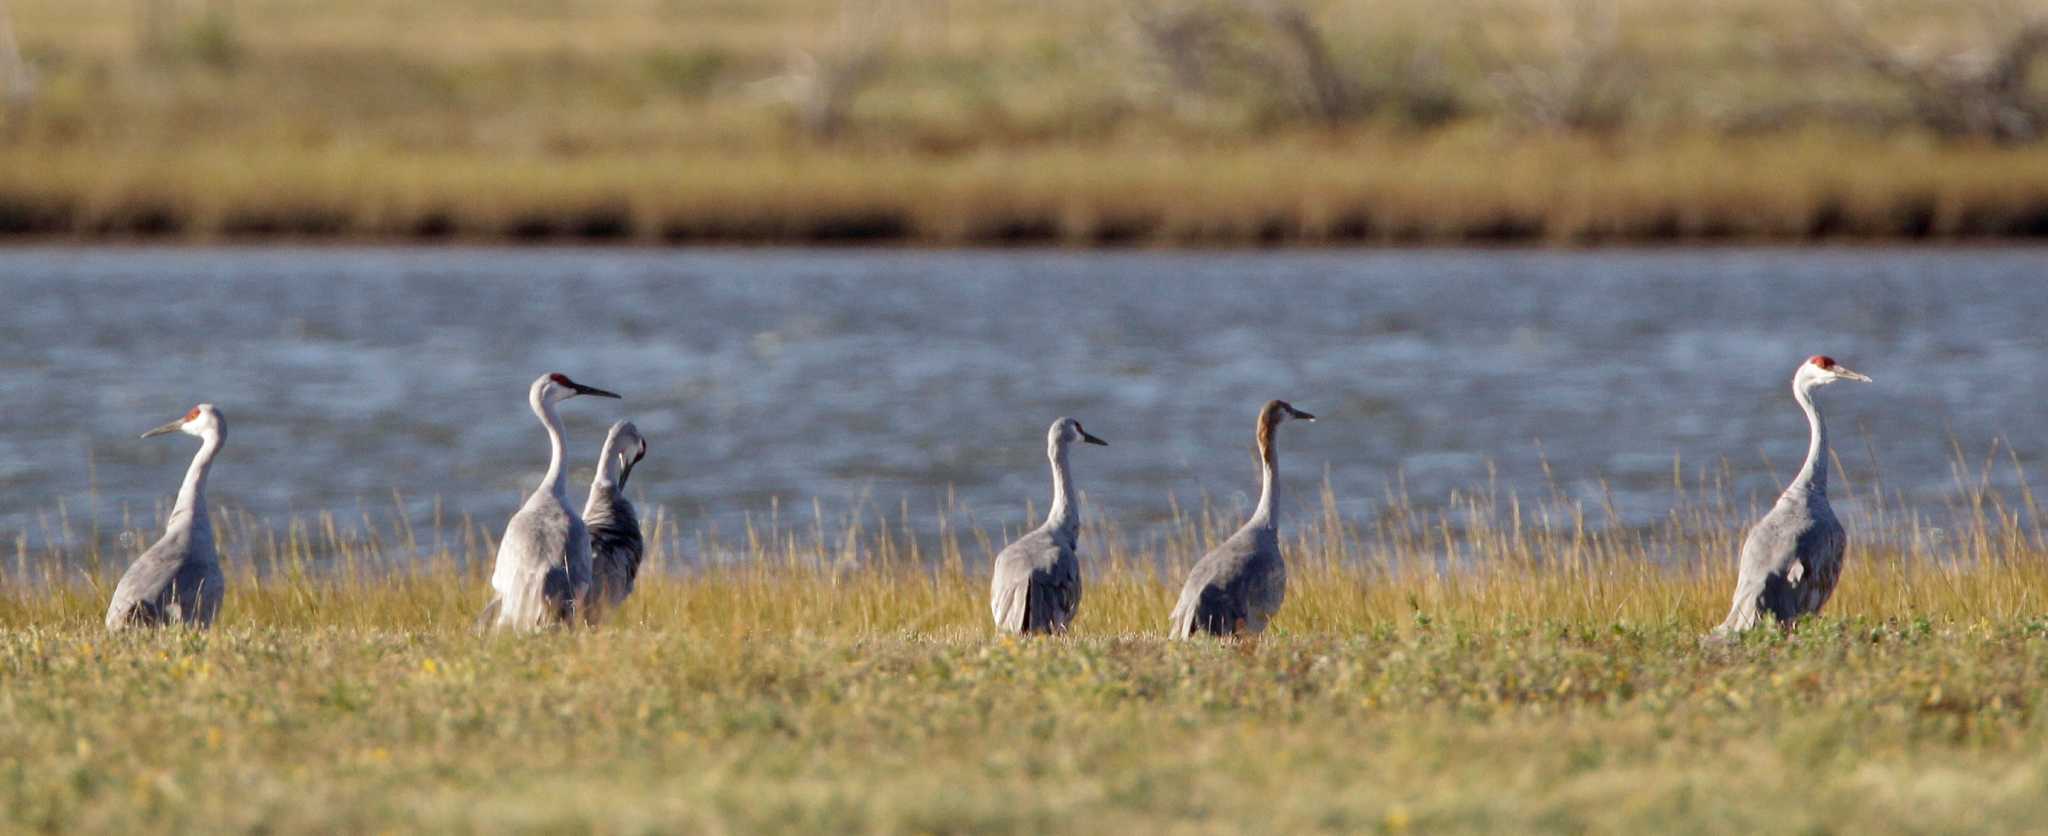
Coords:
1499,665
1073,122
837,443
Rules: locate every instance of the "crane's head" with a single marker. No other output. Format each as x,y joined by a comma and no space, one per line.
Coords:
623,448
1271,416
1277,411
1067,431
556,387
196,422
1821,370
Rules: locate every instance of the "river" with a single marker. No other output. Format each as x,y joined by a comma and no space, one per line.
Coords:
905,378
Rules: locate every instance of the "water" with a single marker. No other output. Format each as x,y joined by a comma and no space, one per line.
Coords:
901,378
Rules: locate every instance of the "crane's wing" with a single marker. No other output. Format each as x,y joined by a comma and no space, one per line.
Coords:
142,598
1009,598
1218,595
1009,604
1053,594
1770,570
615,548
1212,608
529,554
1205,596
566,587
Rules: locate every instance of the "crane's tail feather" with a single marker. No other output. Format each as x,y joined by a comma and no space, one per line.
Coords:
1743,616
138,614
1013,610
489,615
1182,622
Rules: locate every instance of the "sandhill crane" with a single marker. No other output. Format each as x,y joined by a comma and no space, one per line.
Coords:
614,529
1037,583
1793,556
1236,588
543,571
179,579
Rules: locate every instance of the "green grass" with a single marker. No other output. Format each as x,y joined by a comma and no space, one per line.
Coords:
1888,727
1496,665
999,121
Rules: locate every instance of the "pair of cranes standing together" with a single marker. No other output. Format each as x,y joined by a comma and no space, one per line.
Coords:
1233,590
555,566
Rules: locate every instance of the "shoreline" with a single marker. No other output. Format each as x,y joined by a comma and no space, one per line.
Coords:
1395,193
890,236
23,244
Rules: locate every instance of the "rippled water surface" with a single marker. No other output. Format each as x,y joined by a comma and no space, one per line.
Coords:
897,378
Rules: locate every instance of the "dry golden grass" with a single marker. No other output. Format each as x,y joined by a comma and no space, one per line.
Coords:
1480,559
1500,665
987,122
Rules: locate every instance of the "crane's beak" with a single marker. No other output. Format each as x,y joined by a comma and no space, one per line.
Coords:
580,389
1846,374
1301,415
171,427
1092,439
626,465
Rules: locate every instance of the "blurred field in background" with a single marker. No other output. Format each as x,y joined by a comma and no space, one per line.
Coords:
1014,121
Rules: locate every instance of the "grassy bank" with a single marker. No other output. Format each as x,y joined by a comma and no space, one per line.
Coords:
807,121
1890,726
1498,665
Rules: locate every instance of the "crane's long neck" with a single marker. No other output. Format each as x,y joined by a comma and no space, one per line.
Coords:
1269,481
610,472
556,482
1813,476
1063,516
192,495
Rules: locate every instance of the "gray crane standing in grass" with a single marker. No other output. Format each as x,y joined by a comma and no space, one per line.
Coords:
615,545
178,581
543,571
1793,557
1236,588
1037,583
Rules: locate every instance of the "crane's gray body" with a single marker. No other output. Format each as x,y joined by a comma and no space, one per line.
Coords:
615,542
1037,583
178,581
543,570
1237,587
1790,562
1792,558
615,546
1036,587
